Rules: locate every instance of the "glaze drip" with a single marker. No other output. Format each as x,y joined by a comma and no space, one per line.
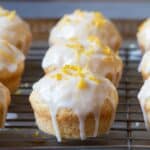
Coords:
144,97
64,93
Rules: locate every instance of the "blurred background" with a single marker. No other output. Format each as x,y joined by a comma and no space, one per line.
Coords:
42,15
130,9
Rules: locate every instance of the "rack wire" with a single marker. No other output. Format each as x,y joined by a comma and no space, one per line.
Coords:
127,132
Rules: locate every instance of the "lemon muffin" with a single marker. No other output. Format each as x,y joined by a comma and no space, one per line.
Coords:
144,66
72,103
15,30
143,35
4,103
11,65
90,53
144,99
82,24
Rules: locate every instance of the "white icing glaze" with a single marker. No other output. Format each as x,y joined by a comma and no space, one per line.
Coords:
145,63
98,62
53,113
14,30
81,26
143,35
96,115
10,56
65,94
143,96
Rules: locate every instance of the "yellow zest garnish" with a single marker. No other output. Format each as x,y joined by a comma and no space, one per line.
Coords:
82,84
9,14
95,40
79,12
92,78
72,67
65,20
72,70
76,71
73,39
107,51
58,76
79,49
89,52
76,46
99,19
8,57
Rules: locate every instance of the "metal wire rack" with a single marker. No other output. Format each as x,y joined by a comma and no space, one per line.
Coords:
127,132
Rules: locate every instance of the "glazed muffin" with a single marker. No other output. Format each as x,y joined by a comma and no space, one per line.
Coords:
82,24
144,99
72,103
143,35
11,65
4,103
90,53
144,66
14,30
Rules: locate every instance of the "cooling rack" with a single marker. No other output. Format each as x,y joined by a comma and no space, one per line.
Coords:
128,130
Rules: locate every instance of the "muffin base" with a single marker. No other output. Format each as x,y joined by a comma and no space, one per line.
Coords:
4,107
25,45
2,116
142,48
68,121
147,112
12,79
145,75
117,80
12,83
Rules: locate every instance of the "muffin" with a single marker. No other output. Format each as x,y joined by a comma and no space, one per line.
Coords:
90,53
71,103
4,103
144,99
144,66
11,65
143,36
14,30
82,24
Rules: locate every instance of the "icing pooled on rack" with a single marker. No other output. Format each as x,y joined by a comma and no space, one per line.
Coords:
145,63
10,56
144,96
82,24
75,88
90,53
